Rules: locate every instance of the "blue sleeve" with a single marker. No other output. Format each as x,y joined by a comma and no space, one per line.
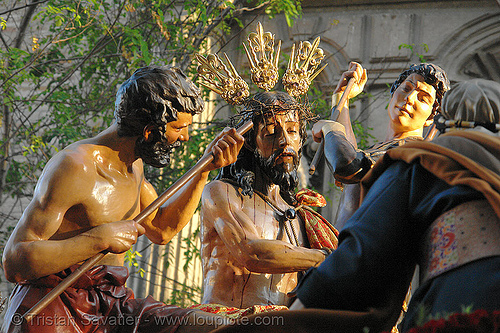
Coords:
347,163
379,244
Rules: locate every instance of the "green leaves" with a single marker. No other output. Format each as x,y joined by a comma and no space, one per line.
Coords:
61,65
363,136
131,260
415,50
291,8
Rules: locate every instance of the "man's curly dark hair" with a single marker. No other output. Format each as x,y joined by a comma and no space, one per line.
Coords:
433,75
154,95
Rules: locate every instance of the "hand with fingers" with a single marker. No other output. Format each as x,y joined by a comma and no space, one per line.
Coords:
359,74
322,127
119,236
224,148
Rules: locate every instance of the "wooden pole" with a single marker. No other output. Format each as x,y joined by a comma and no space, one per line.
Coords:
333,116
431,133
89,263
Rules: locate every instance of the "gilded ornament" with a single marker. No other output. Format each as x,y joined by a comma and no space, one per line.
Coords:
263,59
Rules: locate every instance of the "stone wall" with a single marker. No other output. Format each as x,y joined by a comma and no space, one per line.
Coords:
386,37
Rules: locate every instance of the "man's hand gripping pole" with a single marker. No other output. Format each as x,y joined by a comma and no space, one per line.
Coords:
333,116
89,263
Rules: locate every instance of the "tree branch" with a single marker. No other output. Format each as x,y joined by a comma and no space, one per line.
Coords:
24,24
34,3
258,9
197,42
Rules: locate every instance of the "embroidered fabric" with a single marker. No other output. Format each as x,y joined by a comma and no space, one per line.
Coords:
468,232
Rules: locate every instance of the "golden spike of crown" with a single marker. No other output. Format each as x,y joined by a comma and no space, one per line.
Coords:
225,82
298,76
263,62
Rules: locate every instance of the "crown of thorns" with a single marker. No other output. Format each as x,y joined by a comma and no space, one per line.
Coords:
255,108
223,78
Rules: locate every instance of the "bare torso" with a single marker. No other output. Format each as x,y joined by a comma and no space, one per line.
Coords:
112,194
227,280
86,198
82,193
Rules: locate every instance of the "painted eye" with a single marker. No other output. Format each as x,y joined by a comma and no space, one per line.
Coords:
426,99
270,131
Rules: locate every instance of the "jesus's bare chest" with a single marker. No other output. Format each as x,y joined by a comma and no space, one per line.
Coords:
271,222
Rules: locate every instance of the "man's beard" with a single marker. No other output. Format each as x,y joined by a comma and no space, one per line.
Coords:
156,152
286,180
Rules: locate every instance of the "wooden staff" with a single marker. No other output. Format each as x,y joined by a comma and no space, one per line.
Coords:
444,124
333,116
89,263
431,133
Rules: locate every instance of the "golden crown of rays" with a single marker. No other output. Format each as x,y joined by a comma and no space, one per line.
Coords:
223,78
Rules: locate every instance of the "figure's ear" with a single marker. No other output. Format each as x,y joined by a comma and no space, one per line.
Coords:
148,132
434,113
428,122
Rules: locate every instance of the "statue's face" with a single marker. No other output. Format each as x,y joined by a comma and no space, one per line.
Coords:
411,104
278,144
178,130
155,148
278,138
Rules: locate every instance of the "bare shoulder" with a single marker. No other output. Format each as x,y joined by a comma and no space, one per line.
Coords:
59,187
216,185
219,191
148,193
65,171
219,198
76,158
